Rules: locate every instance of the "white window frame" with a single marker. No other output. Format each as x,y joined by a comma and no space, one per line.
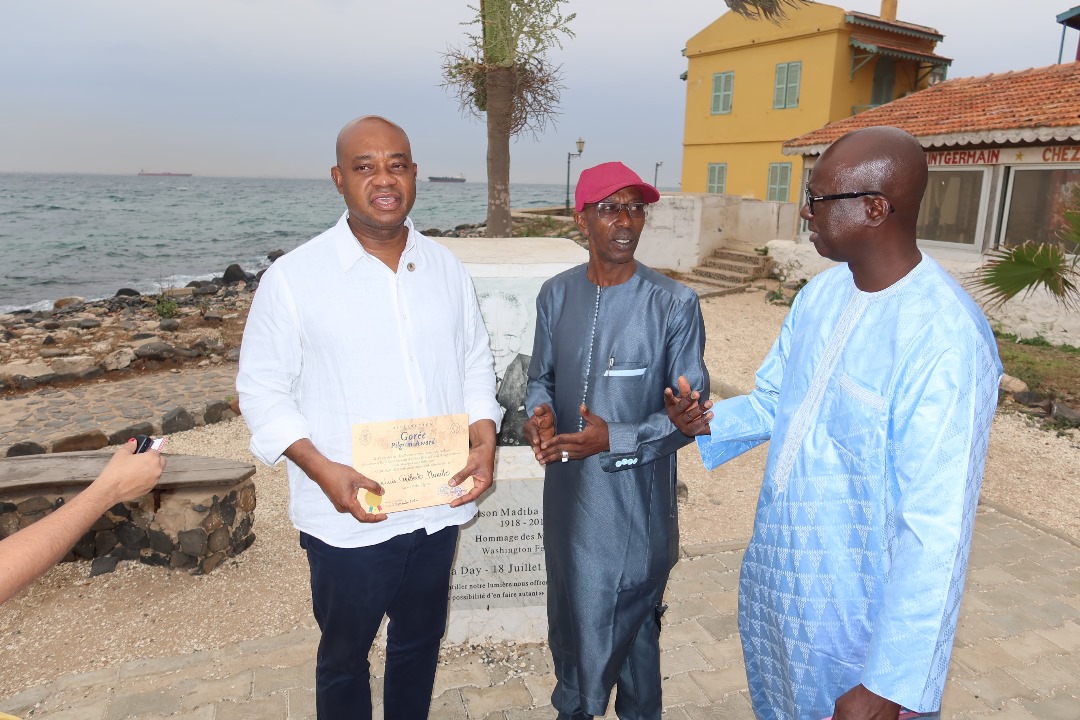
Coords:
784,89
722,97
976,245
999,238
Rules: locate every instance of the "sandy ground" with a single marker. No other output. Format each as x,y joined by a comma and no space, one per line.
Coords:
68,623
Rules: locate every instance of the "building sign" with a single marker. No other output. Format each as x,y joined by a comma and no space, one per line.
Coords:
1054,155
963,157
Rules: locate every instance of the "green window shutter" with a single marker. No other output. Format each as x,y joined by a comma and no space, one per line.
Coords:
794,74
717,178
784,189
780,89
722,86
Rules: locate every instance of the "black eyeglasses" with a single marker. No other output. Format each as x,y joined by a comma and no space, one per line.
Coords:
811,199
611,210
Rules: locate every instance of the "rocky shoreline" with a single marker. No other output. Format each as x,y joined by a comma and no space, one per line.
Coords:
78,340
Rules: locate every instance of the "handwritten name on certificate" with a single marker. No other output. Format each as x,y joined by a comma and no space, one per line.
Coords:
413,460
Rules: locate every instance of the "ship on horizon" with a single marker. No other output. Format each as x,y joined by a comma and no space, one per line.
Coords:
446,178
143,173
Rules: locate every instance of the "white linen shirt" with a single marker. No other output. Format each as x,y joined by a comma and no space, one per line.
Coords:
334,337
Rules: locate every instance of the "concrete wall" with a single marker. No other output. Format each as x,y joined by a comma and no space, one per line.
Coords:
1036,315
683,228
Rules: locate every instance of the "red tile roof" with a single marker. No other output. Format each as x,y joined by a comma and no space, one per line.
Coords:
1029,106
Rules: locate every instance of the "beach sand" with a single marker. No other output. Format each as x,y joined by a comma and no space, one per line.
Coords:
69,623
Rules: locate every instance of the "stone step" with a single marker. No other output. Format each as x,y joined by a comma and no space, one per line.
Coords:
714,274
747,270
741,256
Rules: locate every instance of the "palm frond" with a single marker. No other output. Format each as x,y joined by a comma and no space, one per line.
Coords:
1022,269
764,9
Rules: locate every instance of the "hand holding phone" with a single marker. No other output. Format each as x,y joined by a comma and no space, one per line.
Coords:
145,442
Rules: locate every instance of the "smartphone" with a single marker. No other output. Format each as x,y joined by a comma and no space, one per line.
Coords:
145,442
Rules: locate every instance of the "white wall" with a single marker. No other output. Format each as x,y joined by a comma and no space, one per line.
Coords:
683,228
1037,315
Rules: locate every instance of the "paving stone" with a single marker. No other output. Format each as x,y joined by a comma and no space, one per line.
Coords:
83,711
682,690
236,688
1041,676
736,707
1029,647
958,699
541,687
996,688
725,601
536,713
25,700
1012,710
1015,621
679,610
721,627
682,660
470,673
87,679
674,635
157,666
1062,706
274,707
1067,637
301,703
718,684
484,701
270,680
721,654
984,656
164,702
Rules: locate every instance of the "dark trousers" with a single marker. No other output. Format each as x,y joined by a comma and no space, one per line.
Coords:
637,693
406,578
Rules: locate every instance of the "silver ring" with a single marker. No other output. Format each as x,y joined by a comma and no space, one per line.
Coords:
565,456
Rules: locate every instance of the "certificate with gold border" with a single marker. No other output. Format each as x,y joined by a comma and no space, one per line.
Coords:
413,460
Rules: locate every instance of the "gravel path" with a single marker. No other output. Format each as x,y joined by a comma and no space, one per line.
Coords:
69,623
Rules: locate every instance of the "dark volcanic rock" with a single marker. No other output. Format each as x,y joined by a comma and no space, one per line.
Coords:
91,440
26,447
155,351
176,420
102,565
169,324
274,255
127,292
234,273
1063,413
122,436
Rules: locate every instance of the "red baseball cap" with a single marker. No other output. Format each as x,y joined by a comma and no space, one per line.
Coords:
606,179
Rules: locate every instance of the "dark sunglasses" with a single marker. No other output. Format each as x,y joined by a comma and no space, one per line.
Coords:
811,199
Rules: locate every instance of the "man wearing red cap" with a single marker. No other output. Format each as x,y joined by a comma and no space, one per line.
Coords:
611,335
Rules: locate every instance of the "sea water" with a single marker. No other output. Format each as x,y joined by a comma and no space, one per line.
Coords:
90,235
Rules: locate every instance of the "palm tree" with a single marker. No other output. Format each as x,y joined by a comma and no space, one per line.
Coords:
504,75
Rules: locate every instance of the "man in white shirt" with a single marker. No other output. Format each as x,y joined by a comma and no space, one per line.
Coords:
368,322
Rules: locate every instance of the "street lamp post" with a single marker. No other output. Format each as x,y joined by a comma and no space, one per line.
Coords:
580,149
656,172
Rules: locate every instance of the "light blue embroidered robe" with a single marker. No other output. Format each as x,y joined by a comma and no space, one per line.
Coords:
879,408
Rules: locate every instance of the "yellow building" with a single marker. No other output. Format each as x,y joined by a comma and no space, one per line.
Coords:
752,84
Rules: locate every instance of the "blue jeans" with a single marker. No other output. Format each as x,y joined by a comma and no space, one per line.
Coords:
406,578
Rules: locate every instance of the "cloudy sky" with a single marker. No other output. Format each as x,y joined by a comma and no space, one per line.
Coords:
260,87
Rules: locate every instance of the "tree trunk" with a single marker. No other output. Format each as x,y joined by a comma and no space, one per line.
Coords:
500,95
